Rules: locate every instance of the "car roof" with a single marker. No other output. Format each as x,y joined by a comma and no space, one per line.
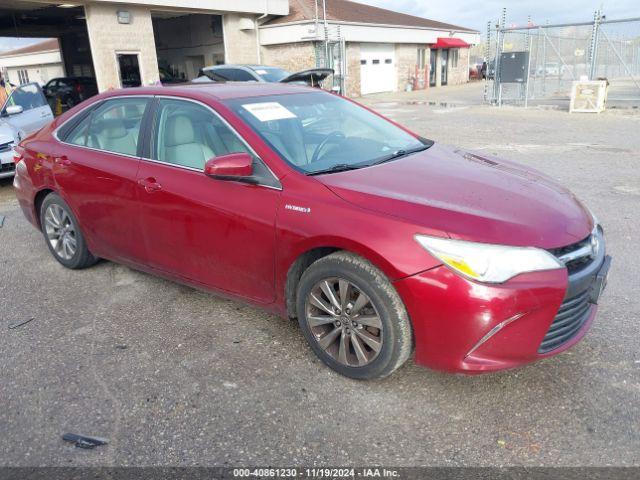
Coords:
217,91
228,65
242,66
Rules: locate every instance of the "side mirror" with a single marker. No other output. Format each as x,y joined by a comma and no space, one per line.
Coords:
13,109
234,166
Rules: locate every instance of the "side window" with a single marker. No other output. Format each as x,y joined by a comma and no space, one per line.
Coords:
28,97
114,126
78,136
189,134
454,57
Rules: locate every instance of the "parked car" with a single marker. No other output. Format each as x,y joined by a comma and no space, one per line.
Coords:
475,72
168,78
307,204
70,90
262,74
25,111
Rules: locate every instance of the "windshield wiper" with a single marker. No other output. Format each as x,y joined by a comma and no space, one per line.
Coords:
341,167
399,154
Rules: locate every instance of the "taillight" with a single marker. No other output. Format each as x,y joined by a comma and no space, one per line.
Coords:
79,88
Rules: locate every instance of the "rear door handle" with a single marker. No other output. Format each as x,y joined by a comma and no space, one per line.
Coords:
62,160
150,184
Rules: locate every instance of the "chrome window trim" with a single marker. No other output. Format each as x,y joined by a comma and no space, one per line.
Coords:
173,97
230,127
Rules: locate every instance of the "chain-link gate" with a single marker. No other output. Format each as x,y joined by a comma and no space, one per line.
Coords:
549,58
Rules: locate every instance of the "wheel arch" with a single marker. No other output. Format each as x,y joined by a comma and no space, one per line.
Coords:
313,251
37,202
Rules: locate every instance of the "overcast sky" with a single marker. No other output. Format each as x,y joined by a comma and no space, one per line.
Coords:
476,13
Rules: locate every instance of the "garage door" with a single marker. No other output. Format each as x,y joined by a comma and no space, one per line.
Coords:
377,68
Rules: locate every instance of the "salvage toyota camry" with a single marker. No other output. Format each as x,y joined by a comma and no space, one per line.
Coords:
377,240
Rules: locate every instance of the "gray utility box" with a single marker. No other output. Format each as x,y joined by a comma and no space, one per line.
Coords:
513,67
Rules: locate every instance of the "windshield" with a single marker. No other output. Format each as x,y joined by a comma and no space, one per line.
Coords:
318,132
271,74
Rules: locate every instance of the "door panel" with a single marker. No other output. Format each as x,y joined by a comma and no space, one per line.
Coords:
101,185
432,67
445,66
218,233
101,188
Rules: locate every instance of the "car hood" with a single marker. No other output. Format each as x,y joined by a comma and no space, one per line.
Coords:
464,195
7,132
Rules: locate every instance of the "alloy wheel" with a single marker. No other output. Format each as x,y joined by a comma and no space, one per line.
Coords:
344,322
60,231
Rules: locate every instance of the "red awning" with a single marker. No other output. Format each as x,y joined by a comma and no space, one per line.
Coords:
450,43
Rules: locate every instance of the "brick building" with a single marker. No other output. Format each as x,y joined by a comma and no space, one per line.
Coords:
133,42
383,50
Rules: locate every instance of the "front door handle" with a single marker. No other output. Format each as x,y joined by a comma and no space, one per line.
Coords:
150,184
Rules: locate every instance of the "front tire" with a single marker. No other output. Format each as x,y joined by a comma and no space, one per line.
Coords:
62,233
353,318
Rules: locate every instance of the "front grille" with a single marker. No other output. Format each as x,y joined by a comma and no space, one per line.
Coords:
7,167
570,318
580,262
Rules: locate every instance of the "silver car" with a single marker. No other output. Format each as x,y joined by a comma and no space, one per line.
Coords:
25,111
262,74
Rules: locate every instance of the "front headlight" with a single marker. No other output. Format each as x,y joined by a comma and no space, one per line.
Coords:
488,263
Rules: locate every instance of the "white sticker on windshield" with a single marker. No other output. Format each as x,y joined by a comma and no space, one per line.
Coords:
268,111
261,72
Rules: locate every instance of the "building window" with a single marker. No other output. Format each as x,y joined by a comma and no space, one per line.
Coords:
422,58
23,76
453,57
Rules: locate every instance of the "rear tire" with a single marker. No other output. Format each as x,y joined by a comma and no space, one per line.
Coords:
353,318
62,234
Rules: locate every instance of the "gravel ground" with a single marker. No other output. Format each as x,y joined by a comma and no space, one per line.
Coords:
174,376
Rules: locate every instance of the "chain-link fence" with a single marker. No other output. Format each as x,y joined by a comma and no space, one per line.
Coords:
538,64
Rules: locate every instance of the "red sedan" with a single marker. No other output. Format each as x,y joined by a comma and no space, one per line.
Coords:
377,240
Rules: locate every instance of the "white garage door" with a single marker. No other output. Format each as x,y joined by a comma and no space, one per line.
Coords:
377,68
